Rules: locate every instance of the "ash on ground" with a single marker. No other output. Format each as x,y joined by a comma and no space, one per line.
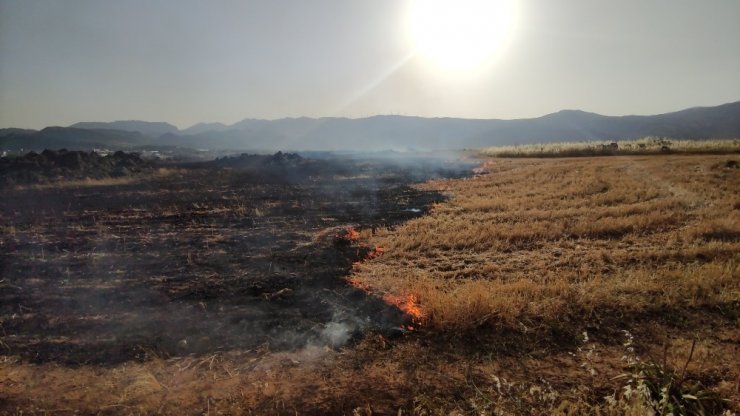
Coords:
235,253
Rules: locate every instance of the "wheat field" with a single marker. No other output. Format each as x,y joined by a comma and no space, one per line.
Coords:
547,250
643,146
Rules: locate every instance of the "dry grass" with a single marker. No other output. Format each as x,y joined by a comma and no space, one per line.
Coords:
546,248
539,239
644,146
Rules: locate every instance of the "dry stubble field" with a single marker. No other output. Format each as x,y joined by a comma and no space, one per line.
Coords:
545,286
560,273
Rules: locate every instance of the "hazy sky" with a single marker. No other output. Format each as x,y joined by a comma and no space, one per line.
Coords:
186,61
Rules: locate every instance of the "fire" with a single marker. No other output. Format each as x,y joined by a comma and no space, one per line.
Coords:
352,234
376,252
408,303
358,284
346,237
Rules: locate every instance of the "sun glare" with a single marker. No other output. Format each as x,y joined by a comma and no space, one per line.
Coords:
460,34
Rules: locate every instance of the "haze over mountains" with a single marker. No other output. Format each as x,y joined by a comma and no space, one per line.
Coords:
380,132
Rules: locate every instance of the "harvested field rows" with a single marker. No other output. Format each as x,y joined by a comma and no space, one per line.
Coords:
535,253
539,238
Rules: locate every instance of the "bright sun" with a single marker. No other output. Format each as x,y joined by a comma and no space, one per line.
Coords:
460,34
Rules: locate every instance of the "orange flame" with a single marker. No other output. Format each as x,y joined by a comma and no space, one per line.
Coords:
358,284
352,234
376,252
409,304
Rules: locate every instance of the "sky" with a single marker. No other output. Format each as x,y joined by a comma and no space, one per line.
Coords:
190,61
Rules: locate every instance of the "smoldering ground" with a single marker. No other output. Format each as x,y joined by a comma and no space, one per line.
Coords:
235,253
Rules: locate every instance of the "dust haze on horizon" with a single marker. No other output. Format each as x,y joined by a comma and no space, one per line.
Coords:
188,61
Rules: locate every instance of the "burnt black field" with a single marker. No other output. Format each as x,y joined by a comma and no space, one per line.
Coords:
191,258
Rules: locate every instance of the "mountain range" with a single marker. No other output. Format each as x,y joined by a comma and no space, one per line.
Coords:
380,132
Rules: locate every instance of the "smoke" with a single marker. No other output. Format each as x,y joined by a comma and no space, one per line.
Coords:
336,334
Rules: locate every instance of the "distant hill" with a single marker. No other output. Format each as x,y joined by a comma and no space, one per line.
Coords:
71,139
204,127
401,132
147,128
385,132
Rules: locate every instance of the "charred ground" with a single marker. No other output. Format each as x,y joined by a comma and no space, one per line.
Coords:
240,252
